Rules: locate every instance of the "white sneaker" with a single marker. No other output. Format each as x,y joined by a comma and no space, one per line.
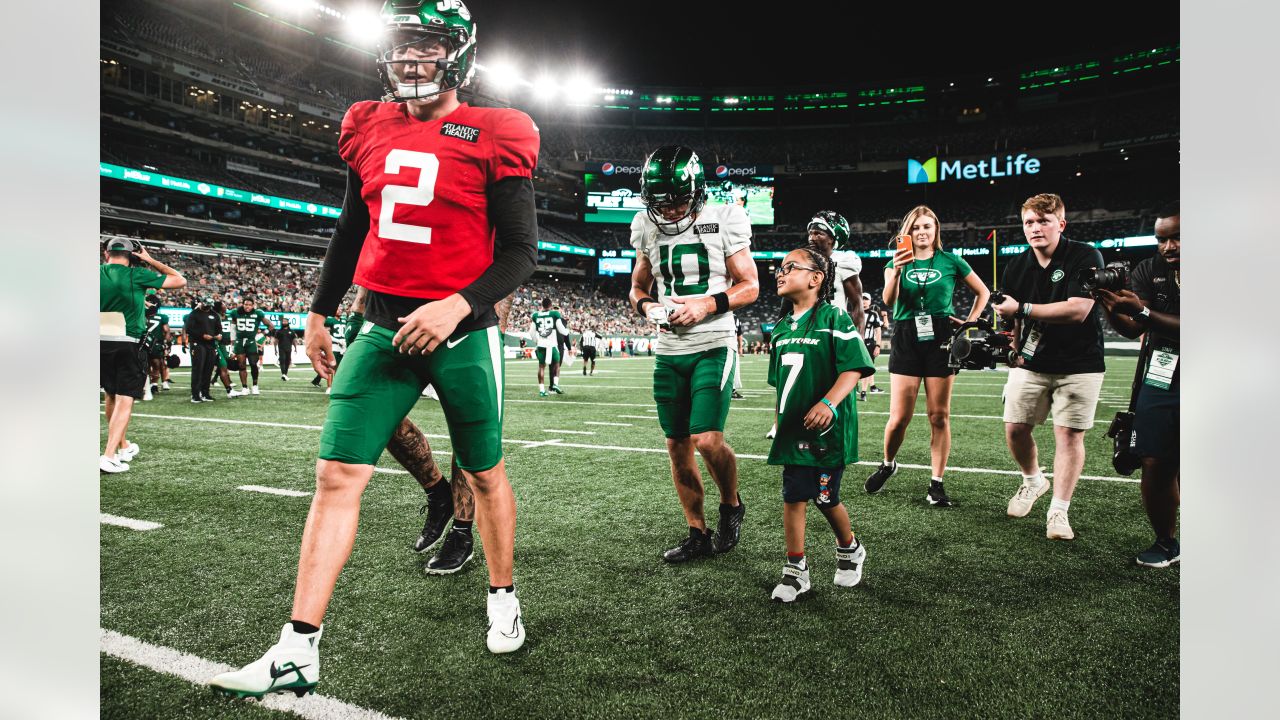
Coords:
1058,527
284,378
128,453
255,390
506,629
1030,491
328,390
849,566
291,665
772,431
794,583
165,385
111,465
235,393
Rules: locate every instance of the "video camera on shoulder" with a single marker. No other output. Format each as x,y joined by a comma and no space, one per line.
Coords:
1114,276
978,346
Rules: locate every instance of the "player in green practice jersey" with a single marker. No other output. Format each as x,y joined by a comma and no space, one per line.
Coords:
154,339
545,330
817,359
247,319
223,350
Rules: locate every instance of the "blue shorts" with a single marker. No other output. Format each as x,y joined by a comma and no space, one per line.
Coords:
801,483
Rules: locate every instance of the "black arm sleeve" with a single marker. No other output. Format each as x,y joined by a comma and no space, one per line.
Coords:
344,249
514,217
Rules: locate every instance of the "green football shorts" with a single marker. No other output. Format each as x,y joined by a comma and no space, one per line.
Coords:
376,385
246,346
542,355
693,391
222,356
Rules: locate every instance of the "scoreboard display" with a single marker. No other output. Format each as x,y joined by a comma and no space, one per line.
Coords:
613,196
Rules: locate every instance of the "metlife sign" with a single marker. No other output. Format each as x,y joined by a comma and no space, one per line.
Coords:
933,170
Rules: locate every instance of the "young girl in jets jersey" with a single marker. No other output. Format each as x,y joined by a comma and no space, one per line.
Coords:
817,359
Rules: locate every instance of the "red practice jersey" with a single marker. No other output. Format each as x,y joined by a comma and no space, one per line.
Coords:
424,183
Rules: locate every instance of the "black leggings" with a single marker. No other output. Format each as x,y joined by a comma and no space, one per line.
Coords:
286,359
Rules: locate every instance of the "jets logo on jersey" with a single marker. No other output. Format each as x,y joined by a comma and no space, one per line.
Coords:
462,132
707,228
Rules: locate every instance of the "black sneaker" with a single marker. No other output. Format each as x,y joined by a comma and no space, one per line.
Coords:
937,495
1160,555
696,545
438,516
878,478
316,382
737,395
875,390
726,536
453,554
206,398
863,396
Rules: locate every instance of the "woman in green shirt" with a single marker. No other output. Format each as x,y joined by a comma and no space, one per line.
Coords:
919,285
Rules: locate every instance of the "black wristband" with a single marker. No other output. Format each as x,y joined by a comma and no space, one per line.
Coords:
722,302
640,305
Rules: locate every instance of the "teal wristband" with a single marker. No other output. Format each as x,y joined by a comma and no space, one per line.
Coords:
834,413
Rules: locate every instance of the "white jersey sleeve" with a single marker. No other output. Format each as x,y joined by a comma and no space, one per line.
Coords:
736,230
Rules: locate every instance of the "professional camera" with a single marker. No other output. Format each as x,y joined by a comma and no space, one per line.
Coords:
1124,458
977,346
1113,277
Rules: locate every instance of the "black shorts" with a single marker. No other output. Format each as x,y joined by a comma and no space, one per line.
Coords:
122,368
907,356
588,353
801,483
872,346
1156,420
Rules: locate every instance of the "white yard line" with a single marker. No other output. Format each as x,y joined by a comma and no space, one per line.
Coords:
589,422
638,417
199,671
571,432
274,491
124,522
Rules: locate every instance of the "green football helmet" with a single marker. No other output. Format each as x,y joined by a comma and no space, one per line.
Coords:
421,25
833,224
673,177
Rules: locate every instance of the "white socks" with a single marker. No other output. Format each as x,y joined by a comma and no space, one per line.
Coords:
542,387
1057,505
1036,479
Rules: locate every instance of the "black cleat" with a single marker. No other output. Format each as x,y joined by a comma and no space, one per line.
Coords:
937,495
556,389
876,391
878,478
737,395
697,544
438,516
730,525
863,396
453,554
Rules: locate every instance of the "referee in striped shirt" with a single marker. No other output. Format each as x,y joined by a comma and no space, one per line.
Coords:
588,345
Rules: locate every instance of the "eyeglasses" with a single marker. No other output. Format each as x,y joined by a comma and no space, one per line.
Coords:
788,267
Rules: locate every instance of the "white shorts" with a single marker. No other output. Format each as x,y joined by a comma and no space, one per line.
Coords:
1028,397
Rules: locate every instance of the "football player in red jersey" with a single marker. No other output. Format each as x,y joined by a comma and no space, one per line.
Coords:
438,224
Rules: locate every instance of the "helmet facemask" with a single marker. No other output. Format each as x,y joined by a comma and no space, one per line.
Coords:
655,204
421,63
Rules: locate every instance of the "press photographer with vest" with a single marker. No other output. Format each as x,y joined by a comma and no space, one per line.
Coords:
1058,335
1151,308
122,361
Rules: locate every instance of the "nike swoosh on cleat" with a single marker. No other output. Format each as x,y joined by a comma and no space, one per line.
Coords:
451,344
290,668
515,632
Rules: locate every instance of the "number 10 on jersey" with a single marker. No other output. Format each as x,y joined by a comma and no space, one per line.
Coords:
671,262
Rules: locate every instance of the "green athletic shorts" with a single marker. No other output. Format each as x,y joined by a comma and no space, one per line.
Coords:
693,391
222,356
246,346
376,385
542,355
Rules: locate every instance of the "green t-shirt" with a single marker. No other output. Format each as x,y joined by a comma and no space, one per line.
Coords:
804,364
247,323
228,331
929,285
121,289
156,325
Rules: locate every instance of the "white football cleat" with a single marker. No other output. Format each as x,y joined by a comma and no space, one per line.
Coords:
794,583
291,665
849,565
111,465
255,390
506,629
128,452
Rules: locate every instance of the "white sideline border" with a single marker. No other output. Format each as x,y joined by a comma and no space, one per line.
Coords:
199,671
558,442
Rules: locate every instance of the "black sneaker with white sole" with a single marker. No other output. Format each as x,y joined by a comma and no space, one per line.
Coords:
730,526
937,495
696,545
439,511
457,549
875,482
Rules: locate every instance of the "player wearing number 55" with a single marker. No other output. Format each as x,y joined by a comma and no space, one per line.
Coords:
704,270
438,224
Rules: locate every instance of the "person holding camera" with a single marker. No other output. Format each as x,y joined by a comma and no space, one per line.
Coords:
1058,340
1152,308
920,286
122,365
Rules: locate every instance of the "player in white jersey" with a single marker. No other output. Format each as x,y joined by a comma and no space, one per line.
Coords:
545,328
700,257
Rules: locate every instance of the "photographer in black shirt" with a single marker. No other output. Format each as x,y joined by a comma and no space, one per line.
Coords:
1152,308
1058,335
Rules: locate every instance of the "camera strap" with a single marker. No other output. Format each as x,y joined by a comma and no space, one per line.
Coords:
1139,372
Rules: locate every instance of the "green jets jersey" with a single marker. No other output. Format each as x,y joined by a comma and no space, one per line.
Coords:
156,326
337,328
247,323
807,358
928,286
545,325
228,332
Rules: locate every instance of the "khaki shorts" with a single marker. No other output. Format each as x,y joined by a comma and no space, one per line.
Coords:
1028,394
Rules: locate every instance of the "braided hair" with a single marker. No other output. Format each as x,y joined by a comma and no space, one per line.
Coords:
826,290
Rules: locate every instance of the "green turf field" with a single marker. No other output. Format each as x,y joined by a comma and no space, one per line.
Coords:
962,612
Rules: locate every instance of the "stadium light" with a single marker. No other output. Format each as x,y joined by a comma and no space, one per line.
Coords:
546,88
500,74
365,27
580,89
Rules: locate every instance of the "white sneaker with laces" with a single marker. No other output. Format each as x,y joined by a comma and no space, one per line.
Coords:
291,665
506,629
849,565
111,465
1021,502
234,393
794,583
255,390
1058,526
128,452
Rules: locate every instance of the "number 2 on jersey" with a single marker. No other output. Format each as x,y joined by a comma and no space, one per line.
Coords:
422,194
794,361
